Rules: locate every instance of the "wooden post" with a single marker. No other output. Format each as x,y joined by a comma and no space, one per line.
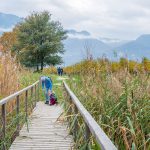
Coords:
70,103
17,111
31,92
69,113
4,124
66,98
70,110
38,90
132,94
35,96
87,135
32,97
75,129
26,108
26,103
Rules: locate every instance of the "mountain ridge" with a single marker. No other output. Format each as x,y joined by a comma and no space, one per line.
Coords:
136,49
8,21
78,41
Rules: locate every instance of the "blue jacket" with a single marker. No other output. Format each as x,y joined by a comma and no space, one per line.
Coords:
46,82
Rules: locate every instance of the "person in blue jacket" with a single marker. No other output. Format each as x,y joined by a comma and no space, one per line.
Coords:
46,87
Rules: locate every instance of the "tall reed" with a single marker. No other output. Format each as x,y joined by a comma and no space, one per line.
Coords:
9,75
14,77
119,101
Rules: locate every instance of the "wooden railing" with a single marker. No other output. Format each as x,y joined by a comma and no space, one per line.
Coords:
16,106
91,126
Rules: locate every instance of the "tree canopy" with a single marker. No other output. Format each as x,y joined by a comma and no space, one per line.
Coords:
39,40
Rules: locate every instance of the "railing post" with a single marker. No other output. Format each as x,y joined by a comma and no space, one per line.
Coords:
87,135
31,92
75,129
26,103
17,111
4,124
26,108
35,96
38,90
70,110
32,97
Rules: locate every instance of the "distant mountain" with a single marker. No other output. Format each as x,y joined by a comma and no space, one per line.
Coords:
77,44
78,41
113,42
8,21
76,49
136,49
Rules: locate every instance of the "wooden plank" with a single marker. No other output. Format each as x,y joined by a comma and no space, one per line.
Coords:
46,132
97,132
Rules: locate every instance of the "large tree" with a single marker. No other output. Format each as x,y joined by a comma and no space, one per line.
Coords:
40,40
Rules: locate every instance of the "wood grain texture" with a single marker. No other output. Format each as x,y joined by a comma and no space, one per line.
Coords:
46,131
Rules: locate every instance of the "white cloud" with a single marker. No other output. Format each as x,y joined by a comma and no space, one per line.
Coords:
79,36
103,18
6,29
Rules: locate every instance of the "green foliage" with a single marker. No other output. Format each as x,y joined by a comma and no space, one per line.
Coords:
39,40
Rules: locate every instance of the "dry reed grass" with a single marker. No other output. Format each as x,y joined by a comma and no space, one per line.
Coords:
13,77
119,101
9,75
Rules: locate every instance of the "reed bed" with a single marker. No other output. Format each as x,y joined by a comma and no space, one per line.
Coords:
13,78
9,75
119,101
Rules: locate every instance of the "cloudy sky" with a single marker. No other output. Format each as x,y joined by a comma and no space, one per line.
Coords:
119,19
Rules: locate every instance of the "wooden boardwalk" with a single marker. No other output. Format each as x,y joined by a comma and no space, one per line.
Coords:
46,131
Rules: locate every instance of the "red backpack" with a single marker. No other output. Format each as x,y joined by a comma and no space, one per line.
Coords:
53,99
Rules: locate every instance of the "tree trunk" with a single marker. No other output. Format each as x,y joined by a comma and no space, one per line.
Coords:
37,68
42,66
42,63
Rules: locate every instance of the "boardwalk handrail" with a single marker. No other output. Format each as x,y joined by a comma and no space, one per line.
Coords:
91,125
3,115
9,98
